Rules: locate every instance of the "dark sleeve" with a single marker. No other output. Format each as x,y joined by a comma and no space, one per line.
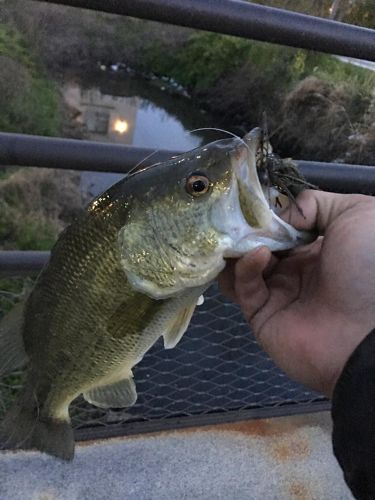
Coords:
353,414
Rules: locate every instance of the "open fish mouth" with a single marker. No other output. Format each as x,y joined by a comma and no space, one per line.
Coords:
260,203
252,187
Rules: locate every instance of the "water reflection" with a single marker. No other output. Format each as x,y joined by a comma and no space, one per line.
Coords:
128,119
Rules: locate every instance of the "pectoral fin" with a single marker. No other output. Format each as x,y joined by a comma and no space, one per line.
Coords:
118,395
178,327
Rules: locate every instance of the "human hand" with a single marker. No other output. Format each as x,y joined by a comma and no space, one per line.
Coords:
311,308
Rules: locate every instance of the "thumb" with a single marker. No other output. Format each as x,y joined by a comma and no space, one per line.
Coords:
251,290
319,209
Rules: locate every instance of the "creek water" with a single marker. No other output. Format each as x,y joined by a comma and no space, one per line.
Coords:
127,110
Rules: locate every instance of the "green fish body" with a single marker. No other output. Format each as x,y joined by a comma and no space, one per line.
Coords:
129,271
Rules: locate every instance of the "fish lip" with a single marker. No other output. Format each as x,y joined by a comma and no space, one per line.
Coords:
245,169
271,226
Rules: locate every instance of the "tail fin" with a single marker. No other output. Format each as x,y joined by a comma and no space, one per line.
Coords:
24,428
12,350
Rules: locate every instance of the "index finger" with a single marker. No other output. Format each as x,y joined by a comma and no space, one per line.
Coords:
319,209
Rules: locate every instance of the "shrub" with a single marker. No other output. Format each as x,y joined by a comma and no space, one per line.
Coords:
35,205
315,119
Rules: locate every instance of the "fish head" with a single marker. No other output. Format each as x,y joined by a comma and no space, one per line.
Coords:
190,213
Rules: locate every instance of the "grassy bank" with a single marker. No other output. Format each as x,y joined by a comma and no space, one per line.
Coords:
35,205
30,103
29,100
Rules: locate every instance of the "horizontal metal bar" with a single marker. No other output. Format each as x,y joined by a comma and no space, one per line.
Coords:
339,177
28,150
240,18
73,154
22,262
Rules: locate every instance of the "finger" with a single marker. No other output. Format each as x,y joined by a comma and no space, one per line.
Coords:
226,280
303,252
271,265
250,287
319,209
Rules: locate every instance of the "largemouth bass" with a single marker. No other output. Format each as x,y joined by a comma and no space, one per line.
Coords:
130,270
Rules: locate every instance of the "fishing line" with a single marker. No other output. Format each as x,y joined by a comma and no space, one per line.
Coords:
133,169
220,130
216,129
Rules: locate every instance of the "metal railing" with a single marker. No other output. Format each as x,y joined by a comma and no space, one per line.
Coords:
217,371
247,20
73,154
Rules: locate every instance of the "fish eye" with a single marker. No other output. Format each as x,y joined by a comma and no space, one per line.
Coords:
197,184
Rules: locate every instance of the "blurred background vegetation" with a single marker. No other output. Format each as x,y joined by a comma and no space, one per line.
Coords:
317,107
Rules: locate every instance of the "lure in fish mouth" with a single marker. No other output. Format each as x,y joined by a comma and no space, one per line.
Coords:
129,271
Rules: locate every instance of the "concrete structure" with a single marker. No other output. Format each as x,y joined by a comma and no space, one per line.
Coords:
286,458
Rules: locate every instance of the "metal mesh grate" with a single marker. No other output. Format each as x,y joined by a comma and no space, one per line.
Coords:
217,367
